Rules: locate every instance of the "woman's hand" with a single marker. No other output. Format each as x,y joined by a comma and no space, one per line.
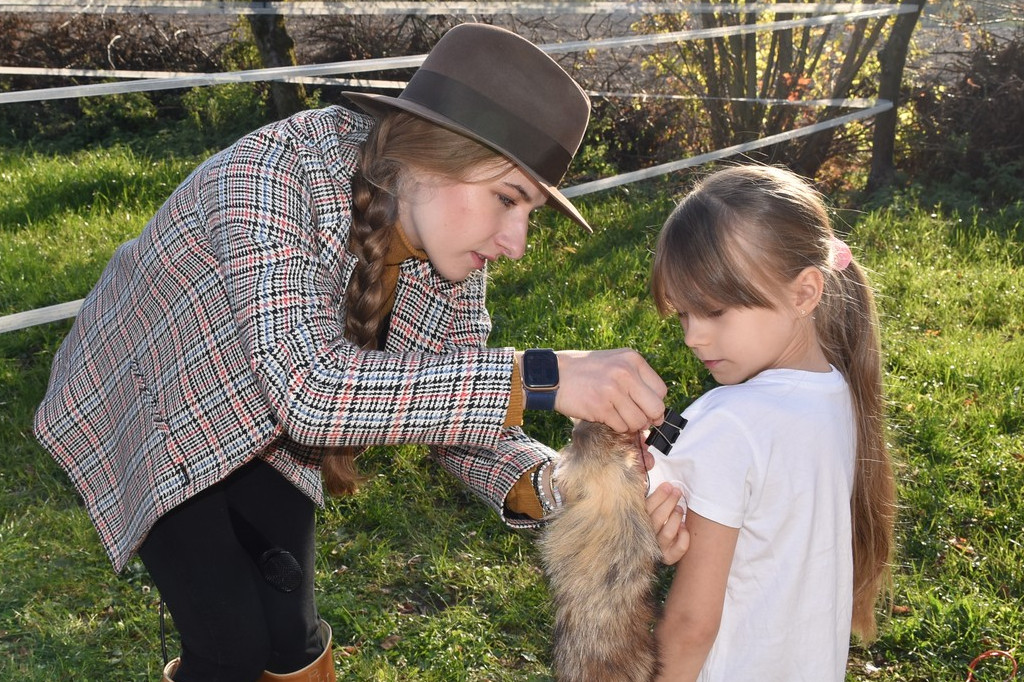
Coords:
614,387
667,518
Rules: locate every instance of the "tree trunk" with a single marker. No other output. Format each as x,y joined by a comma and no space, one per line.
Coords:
893,57
815,149
277,49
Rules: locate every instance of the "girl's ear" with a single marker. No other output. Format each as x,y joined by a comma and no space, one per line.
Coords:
806,289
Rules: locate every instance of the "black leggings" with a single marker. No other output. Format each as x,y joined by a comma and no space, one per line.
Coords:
202,555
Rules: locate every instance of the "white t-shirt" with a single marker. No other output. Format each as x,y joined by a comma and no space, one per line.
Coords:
774,457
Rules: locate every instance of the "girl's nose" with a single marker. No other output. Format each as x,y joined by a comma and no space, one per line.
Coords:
693,333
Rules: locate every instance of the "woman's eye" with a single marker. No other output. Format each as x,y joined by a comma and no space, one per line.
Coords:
507,201
716,313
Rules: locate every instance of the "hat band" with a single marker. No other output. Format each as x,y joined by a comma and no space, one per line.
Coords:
484,118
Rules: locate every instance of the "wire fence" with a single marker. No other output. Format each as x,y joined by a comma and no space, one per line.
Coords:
821,14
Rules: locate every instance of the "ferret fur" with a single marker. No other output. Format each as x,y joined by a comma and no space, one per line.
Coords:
599,553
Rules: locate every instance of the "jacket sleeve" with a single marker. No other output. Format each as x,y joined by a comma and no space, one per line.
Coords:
489,472
264,207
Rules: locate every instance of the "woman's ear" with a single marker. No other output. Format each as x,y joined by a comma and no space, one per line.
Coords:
806,289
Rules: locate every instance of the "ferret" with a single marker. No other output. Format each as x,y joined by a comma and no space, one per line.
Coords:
599,554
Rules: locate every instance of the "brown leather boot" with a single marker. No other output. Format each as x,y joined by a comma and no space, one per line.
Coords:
320,670
169,670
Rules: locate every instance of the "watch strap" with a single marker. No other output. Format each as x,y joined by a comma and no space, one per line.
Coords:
540,400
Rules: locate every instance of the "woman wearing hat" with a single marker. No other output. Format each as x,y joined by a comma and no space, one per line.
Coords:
316,288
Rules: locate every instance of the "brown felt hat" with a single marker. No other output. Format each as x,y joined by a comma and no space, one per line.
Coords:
499,89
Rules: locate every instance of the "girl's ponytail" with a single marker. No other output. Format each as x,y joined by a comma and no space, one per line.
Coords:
848,329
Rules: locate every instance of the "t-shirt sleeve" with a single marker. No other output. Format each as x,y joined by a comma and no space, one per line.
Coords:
714,459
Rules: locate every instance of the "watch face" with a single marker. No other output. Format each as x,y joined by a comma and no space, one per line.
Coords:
540,369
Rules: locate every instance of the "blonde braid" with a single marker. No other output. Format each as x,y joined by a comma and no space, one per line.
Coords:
374,214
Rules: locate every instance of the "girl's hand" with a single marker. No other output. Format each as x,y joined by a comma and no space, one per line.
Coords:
667,519
614,387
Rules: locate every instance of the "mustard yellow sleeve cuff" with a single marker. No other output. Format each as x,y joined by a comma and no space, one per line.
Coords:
522,499
514,415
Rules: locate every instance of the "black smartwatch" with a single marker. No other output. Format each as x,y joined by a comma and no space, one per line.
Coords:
539,368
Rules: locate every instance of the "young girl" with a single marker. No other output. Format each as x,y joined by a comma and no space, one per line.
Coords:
316,288
784,467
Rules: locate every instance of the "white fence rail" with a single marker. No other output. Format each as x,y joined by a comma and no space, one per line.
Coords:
143,81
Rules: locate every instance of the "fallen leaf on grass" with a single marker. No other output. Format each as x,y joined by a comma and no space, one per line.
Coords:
962,545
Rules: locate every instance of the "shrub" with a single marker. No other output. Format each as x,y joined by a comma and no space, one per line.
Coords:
967,126
131,42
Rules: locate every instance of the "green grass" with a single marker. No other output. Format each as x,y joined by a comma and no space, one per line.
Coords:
419,580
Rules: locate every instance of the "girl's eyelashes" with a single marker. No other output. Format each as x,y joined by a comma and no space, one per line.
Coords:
683,316
506,201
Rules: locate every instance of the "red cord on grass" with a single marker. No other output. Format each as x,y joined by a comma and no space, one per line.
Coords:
993,654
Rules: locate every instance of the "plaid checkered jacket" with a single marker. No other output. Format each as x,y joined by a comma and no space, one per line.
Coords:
216,337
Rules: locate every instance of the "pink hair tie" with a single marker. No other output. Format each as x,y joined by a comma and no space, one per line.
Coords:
841,255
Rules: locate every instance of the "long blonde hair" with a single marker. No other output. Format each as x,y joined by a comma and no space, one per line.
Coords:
399,147
783,226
